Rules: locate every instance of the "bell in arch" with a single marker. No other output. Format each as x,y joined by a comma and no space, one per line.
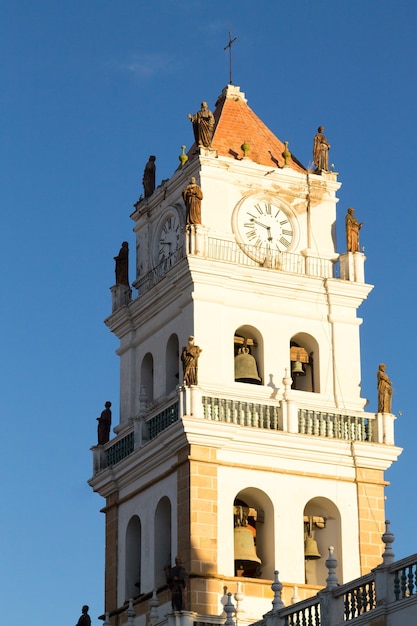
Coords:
311,550
246,559
246,370
297,368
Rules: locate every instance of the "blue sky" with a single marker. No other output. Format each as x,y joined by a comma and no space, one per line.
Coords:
91,88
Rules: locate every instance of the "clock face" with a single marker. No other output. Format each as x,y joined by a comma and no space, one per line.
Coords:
264,228
168,241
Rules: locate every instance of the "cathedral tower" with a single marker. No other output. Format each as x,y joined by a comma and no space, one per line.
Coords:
243,445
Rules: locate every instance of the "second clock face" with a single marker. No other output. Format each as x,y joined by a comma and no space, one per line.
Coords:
168,241
263,225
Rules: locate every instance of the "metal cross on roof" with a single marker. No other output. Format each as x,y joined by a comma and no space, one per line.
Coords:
229,45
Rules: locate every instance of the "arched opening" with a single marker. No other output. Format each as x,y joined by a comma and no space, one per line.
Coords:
248,355
146,375
171,364
133,557
304,357
254,544
321,530
163,551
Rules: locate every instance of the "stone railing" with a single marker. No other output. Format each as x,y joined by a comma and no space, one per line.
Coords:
405,578
390,589
243,413
335,425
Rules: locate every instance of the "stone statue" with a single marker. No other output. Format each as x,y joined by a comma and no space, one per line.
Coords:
352,231
192,196
189,357
103,426
85,619
384,390
321,151
122,265
148,179
176,578
203,126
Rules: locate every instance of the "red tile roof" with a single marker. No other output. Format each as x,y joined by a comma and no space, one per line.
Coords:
236,123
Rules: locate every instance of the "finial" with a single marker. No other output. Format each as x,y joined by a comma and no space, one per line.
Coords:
245,147
131,614
276,587
331,565
229,610
153,614
295,597
183,158
286,154
229,45
388,538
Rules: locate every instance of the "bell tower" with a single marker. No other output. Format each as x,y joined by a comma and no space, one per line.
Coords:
243,445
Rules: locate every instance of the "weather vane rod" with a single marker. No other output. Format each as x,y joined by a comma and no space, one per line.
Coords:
229,45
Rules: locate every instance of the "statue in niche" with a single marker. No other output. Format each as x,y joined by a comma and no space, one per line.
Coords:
203,126
384,390
352,231
103,426
85,619
192,196
321,151
176,578
122,265
189,357
148,179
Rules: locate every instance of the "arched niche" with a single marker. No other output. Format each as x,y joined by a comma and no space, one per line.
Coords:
258,517
171,364
163,550
304,358
247,339
133,557
322,523
146,375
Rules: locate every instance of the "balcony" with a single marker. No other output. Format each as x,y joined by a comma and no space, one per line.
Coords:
285,415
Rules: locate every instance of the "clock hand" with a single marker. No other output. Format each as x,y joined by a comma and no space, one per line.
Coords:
252,219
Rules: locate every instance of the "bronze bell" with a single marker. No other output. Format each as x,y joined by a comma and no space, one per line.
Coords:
246,370
245,551
297,369
311,550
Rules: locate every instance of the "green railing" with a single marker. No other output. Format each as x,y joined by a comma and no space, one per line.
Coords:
242,413
334,425
162,420
119,450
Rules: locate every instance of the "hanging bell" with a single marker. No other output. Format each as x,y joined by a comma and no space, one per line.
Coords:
311,550
246,370
246,558
297,369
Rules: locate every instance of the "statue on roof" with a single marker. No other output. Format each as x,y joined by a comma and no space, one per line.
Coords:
192,196
352,231
321,151
177,580
122,265
148,179
189,357
384,390
85,619
103,426
203,126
